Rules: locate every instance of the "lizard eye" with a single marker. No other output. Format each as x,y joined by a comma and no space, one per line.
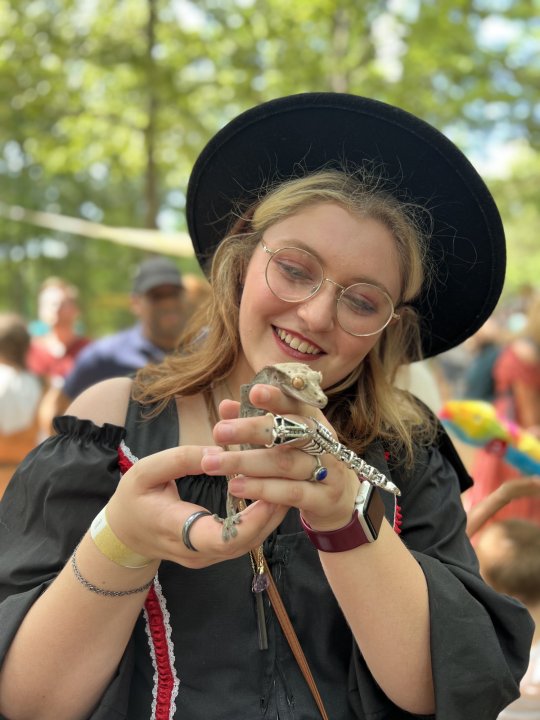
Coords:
298,383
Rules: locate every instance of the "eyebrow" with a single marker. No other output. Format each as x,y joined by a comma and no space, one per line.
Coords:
293,243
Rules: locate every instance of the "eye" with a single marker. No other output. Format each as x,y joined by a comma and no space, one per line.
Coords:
296,267
360,302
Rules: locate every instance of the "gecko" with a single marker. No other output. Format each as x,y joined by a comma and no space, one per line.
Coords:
296,380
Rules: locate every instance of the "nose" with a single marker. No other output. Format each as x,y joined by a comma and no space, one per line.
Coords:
319,312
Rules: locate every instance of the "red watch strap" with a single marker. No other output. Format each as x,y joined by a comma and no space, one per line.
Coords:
361,529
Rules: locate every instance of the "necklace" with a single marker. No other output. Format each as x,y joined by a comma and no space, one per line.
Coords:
260,580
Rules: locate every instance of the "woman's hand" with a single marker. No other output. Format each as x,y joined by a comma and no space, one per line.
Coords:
147,514
280,475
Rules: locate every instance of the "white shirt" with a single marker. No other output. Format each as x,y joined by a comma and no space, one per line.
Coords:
20,392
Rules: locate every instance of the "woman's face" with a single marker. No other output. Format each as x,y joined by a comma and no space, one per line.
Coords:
351,249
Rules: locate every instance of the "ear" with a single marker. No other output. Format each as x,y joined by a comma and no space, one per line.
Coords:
136,303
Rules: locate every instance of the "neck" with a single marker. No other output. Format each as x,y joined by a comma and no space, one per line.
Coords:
64,334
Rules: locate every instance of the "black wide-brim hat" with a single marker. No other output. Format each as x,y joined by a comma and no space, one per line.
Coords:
293,135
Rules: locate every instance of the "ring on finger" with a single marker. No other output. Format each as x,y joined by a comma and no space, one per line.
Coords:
285,431
320,472
186,528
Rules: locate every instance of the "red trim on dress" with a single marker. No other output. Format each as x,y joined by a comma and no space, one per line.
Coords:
165,678
157,632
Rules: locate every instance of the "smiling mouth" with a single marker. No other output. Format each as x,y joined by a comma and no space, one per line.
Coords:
295,343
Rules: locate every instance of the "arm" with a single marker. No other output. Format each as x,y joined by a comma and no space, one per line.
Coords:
480,513
397,652
418,608
45,676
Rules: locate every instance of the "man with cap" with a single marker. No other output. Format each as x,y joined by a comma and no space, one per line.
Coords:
158,301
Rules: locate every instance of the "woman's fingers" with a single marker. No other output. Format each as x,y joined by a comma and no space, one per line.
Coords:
160,469
276,462
258,520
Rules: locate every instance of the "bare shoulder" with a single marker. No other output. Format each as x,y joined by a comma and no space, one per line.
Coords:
105,402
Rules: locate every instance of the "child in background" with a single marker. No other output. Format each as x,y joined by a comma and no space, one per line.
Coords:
20,392
509,555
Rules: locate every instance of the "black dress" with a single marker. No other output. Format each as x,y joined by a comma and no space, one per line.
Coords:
194,653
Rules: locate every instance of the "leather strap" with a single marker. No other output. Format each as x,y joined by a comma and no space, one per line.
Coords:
292,639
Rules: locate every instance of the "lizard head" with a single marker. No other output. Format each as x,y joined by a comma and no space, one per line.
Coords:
302,383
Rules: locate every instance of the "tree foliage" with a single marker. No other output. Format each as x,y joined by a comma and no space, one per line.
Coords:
104,107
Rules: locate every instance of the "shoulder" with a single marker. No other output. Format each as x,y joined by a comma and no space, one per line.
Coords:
106,402
526,350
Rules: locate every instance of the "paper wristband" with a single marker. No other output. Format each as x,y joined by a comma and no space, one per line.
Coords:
112,547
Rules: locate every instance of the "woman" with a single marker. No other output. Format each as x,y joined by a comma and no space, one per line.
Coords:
314,264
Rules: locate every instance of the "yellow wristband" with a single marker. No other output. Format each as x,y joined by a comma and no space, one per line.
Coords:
112,547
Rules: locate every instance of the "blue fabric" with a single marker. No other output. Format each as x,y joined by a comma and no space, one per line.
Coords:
115,355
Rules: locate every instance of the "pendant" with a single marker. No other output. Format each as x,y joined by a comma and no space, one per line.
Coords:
259,584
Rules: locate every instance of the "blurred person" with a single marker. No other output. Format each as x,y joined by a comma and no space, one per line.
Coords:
20,393
509,556
517,397
158,300
52,354
485,347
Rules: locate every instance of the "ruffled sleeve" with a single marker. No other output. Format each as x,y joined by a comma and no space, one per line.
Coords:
46,509
480,640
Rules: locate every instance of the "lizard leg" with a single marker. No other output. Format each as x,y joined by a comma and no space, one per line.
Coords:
233,518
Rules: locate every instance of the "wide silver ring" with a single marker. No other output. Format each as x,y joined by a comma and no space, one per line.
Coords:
285,430
187,527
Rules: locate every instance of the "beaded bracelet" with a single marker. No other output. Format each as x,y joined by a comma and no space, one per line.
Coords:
101,591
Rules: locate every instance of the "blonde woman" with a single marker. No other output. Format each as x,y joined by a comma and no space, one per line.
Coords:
351,237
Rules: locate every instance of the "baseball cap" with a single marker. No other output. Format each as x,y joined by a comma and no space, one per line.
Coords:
154,272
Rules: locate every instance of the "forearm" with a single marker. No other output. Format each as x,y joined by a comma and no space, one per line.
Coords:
71,641
480,513
383,594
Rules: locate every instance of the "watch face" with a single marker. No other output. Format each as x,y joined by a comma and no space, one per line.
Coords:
370,510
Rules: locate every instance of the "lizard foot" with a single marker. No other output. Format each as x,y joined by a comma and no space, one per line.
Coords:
229,525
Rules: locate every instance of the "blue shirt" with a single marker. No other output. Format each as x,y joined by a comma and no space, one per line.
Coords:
111,356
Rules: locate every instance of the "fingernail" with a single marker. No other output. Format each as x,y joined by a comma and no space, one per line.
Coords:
212,462
263,394
225,431
236,484
212,450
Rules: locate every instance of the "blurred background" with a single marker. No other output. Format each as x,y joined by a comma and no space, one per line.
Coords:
104,107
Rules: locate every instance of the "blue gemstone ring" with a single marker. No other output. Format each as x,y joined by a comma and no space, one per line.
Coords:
320,472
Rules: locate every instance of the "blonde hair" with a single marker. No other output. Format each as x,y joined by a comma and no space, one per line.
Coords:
363,406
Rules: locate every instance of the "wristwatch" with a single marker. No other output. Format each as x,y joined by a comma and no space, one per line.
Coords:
363,528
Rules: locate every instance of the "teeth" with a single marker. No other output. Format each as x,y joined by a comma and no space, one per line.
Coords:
296,344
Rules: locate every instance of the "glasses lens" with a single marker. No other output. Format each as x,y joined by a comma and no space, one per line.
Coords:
364,309
293,274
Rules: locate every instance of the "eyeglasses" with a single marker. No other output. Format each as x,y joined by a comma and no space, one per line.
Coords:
295,275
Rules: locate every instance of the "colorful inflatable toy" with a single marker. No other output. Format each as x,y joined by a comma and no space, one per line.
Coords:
477,423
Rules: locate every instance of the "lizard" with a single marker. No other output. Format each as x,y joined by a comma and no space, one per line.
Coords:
295,380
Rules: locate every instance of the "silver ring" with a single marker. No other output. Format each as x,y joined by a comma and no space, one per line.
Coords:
322,441
285,430
320,472
187,527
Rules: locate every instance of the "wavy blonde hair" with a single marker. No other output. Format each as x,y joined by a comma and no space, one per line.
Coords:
363,406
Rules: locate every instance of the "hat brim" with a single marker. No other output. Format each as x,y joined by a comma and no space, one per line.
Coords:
301,133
